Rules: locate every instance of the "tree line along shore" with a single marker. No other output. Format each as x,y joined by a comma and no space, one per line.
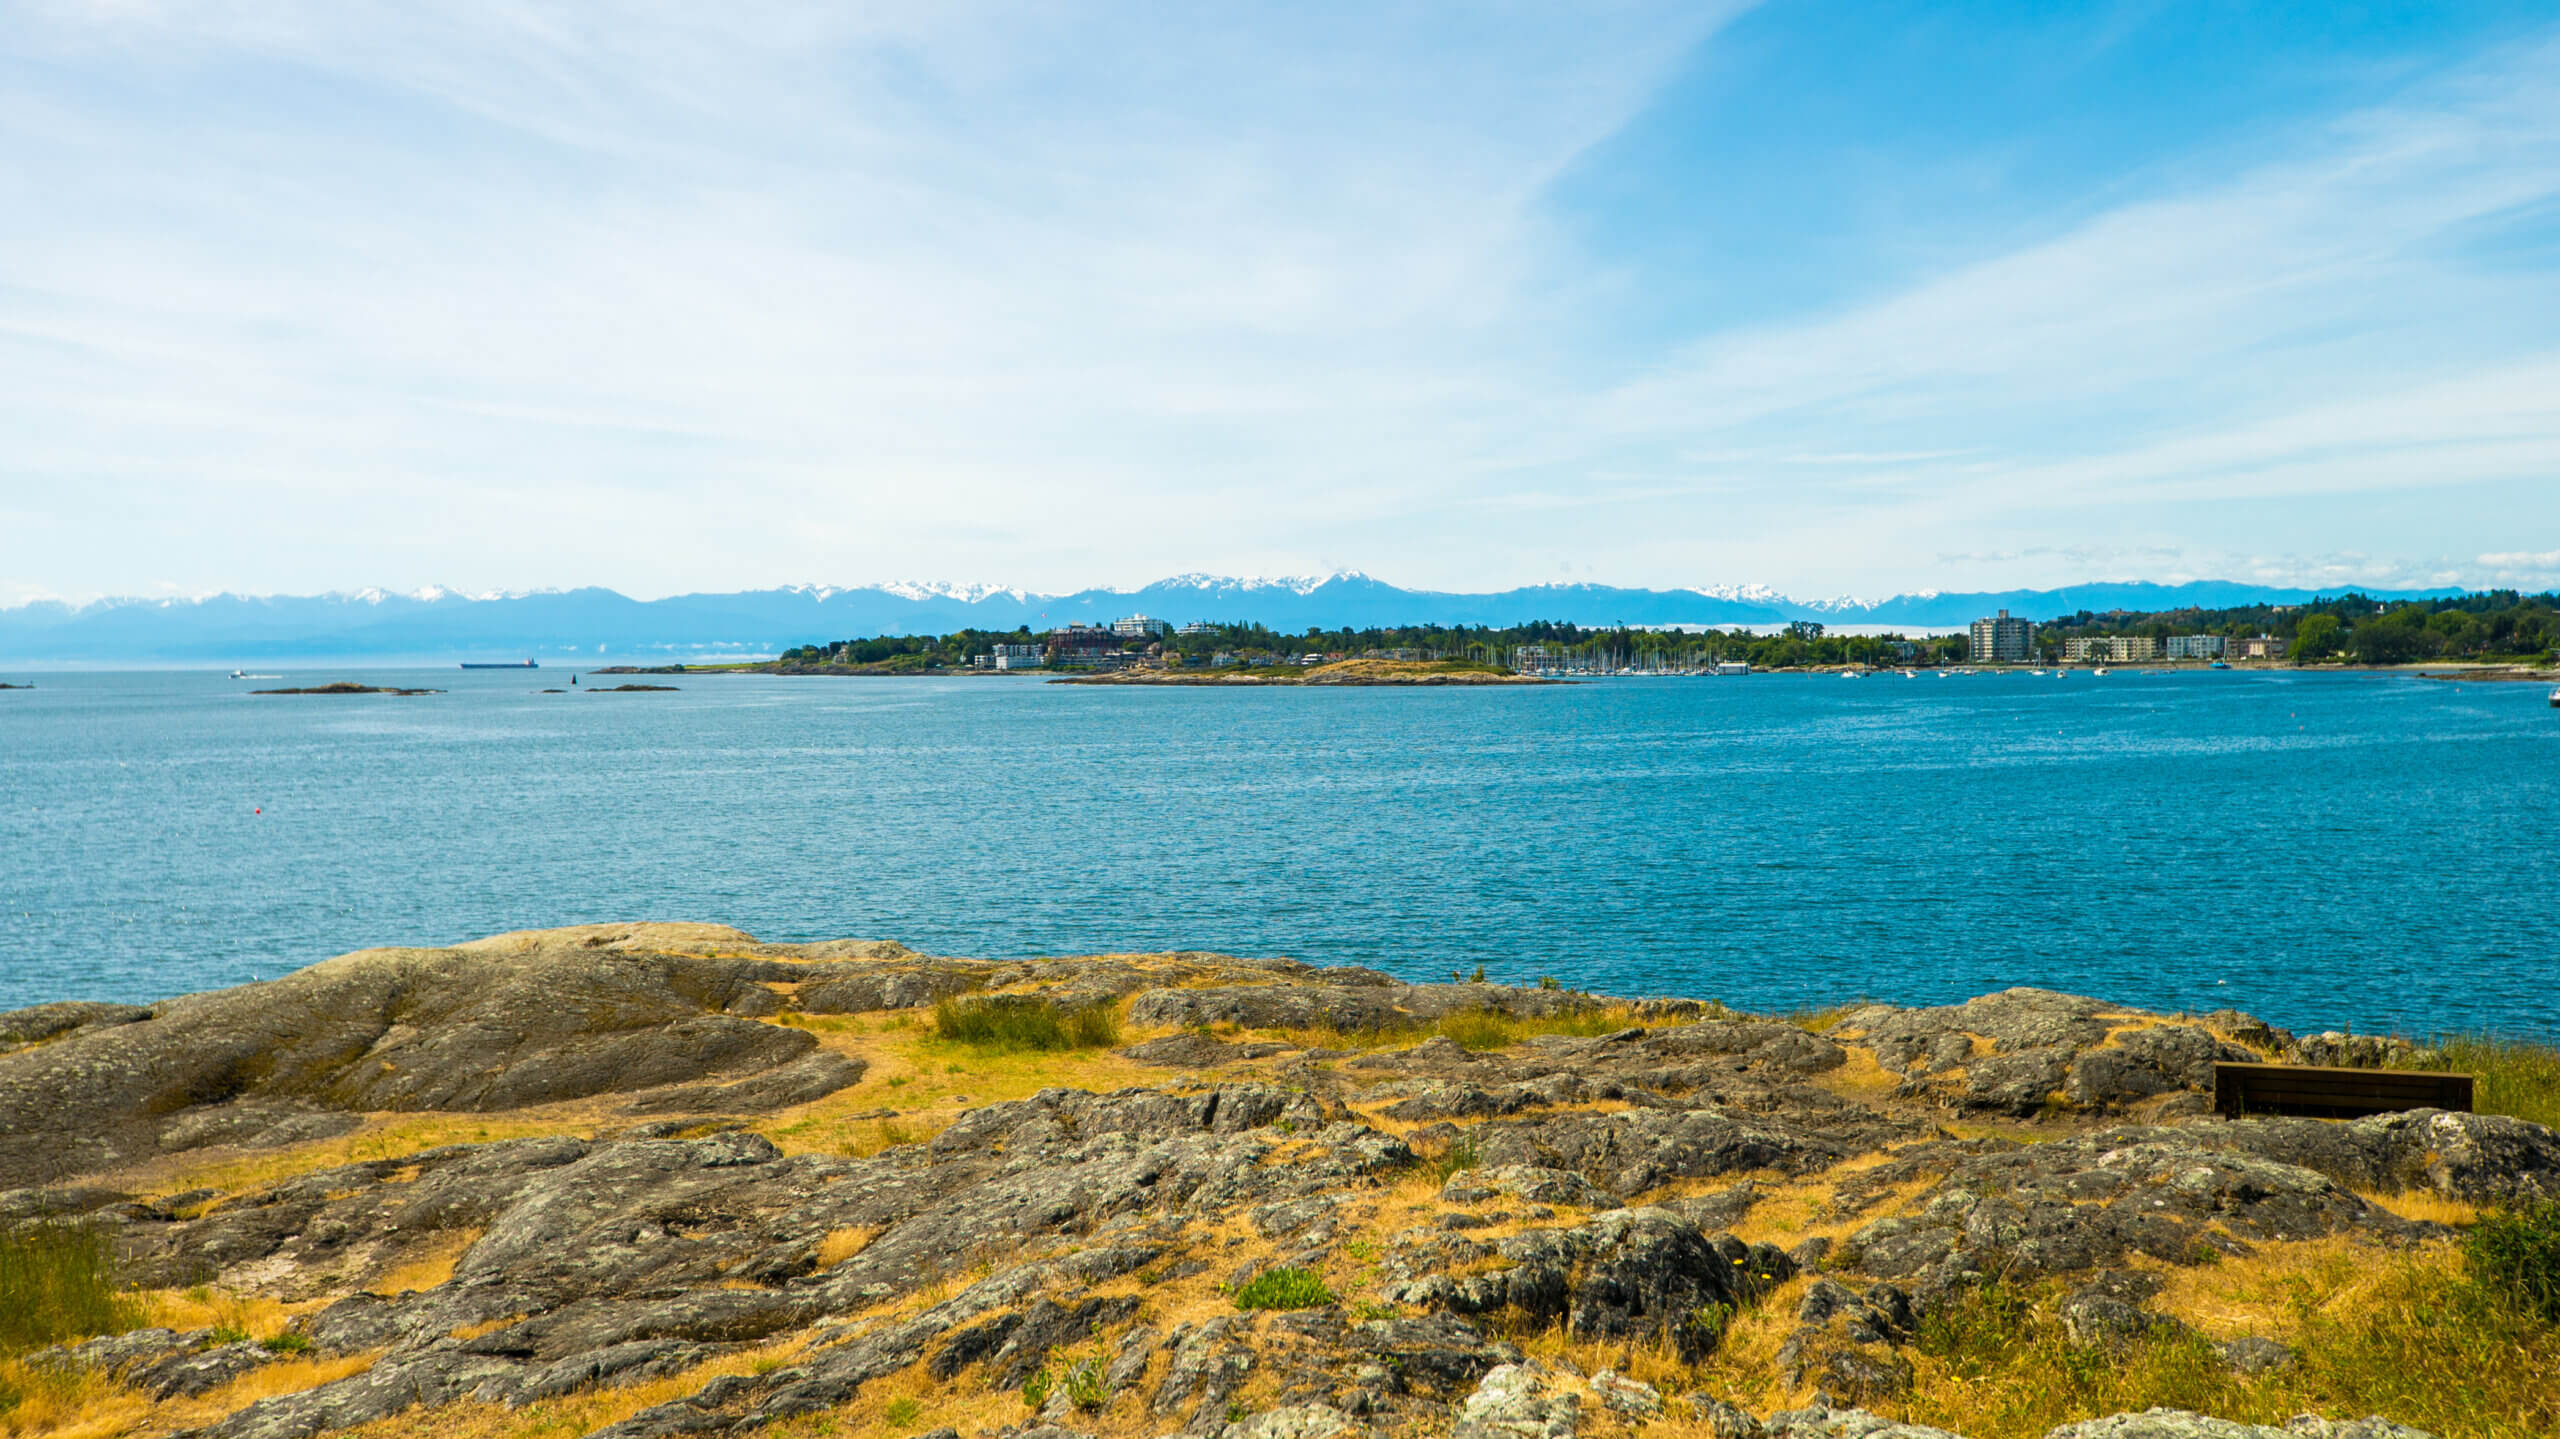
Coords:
2492,629
650,1180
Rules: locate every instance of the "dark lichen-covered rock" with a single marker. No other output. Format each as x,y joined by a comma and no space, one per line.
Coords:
1845,1342
1037,1234
1824,1422
2088,1202
1623,1274
1336,1005
2183,1424
1632,1151
2021,1050
498,1024
41,1022
2480,1158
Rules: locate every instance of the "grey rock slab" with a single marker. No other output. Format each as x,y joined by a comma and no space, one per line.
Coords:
1823,1422
1513,1402
1625,1273
1622,1395
185,1375
1297,1421
2183,1424
488,1026
1530,1183
41,1022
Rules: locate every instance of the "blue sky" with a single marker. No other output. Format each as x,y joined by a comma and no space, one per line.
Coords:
1840,298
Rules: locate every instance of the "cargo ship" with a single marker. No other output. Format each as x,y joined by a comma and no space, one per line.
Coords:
502,665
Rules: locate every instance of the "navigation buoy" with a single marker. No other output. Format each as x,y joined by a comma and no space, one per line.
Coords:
257,811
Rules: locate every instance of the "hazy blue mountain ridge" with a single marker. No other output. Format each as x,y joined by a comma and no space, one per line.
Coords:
594,625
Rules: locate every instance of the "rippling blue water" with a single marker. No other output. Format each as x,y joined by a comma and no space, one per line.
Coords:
2321,849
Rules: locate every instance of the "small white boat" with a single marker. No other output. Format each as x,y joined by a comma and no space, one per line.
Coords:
2102,669
2555,699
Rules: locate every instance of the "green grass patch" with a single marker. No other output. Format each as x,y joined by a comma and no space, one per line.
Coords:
2513,1076
1287,1287
58,1282
2516,1255
1012,1024
1484,1029
2429,1345
1457,1155
1477,1029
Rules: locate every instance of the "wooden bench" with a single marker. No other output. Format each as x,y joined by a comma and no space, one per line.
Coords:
2240,1089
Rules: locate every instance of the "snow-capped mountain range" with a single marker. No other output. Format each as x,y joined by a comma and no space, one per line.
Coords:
601,626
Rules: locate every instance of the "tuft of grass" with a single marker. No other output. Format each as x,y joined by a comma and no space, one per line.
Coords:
1478,1029
2516,1254
842,1244
2419,1342
1088,1385
903,1412
1819,1020
2513,1076
1484,1029
1458,1154
58,1282
1012,1024
1286,1287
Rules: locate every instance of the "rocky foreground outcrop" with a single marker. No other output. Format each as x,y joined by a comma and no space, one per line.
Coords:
744,1176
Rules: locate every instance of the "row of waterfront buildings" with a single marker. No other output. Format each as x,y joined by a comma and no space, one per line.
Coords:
1089,647
2003,640
1999,639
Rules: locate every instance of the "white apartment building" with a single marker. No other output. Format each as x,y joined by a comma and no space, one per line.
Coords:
2002,640
2195,647
2111,649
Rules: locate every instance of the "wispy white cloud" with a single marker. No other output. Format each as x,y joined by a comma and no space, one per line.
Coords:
498,293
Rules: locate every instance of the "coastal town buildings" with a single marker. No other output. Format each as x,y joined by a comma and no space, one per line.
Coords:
2257,647
1198,627
2193,647
2002,640
1085,647
1015,657
2111,649
1137,627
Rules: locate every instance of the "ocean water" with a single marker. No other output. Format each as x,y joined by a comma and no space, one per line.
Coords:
2323,850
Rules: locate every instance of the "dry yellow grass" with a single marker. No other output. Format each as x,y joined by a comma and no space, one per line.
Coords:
1860,1078
432,1266
842,1244
80,1404
384,1136
579,1413
929,1082
2272,1290
2425,1206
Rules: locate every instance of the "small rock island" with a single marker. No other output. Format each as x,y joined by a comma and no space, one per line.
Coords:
650,1180
348,687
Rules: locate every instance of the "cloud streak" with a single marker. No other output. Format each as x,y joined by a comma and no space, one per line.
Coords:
498,294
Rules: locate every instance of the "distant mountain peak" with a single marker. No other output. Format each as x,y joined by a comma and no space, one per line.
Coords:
440,624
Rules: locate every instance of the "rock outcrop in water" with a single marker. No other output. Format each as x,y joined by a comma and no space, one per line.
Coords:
742,1181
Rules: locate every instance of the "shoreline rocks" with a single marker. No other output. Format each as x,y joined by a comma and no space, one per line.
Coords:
1619,1190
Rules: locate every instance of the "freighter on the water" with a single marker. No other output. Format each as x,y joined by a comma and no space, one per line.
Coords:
502,665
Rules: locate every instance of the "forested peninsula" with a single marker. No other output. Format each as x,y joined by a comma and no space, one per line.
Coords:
2495,628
